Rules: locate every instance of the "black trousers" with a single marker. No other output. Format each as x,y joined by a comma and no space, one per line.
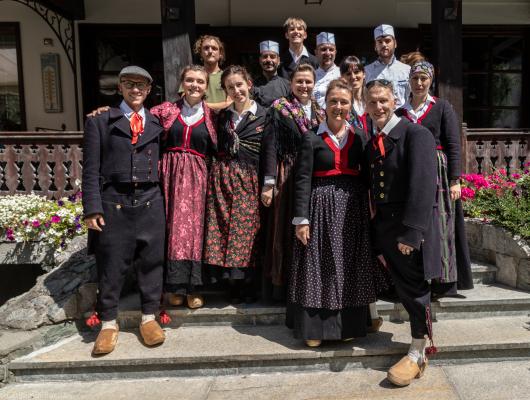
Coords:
133,237
407,271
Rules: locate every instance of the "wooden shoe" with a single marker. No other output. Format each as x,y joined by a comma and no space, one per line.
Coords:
313,342
405,370
106,341
195,300
376,325
152,333
175,299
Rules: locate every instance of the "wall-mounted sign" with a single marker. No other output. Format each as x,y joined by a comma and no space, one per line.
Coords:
51,83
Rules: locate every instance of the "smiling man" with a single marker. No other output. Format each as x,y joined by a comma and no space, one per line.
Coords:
269,86
402,164
123,206
387,66
327,70
295,32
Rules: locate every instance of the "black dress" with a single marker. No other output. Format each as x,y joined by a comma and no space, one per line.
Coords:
335,276
455,266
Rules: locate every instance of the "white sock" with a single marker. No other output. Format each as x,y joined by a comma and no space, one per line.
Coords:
373,311
417,350
109,325
147,317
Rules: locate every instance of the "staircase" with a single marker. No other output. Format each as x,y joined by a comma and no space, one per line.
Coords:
486,323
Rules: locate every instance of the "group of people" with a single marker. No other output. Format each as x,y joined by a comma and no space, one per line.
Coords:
336,184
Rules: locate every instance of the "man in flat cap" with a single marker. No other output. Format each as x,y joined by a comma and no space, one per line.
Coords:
327,70
269,86
123,207
387,67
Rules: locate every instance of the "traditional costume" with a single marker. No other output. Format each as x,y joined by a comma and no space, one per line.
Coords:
289,121
189,138
120,183
438,116
335,276
403,189
232,205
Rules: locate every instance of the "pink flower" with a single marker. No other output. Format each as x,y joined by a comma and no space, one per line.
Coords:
35,224
502,171
467,193
516,176
55,219
9,234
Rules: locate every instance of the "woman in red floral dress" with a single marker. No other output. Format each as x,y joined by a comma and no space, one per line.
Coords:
232,206
189,138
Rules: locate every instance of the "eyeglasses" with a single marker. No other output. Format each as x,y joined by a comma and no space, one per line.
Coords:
131,84
379,82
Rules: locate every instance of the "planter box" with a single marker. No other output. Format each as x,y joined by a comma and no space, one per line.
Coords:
495,245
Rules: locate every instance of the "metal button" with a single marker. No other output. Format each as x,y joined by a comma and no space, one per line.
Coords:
382,184
136,184
382,173
382,195
148,204
371,165
118,206
135,201
134,178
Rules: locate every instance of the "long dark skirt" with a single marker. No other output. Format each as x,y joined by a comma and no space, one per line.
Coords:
455,268
184,178
232,219
278,251
335,276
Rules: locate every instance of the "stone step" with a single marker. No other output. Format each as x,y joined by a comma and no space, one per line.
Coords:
482,272
228,350
482,301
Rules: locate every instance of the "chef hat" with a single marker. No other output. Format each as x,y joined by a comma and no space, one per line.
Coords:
325,37
269,45
384,30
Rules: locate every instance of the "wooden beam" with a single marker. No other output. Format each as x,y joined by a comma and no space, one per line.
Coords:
71,9
178,33
446,22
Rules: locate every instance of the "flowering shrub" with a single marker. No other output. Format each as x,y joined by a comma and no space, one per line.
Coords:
30,217
500,198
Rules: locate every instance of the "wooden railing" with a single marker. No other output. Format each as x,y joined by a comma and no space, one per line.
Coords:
488,148
50,163
46,163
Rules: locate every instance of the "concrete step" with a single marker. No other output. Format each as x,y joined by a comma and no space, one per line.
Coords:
229,350
483,273
482,301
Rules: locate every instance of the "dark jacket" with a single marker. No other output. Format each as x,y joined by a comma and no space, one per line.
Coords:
441,120
265,91
110,157
319,157
405,180
288,65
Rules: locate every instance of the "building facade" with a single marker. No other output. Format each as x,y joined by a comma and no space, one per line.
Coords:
59,59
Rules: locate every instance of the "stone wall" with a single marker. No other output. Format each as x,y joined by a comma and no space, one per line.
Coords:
63,293
495,245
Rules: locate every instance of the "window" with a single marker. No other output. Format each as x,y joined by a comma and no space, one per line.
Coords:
494,79
12,116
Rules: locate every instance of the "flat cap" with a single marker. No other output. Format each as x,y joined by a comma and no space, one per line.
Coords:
135,70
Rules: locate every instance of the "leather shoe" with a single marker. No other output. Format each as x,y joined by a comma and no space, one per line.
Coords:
376,325
175,299
106,341
195,300
313,342
152,333
405,370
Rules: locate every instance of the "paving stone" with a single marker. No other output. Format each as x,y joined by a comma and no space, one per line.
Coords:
491,381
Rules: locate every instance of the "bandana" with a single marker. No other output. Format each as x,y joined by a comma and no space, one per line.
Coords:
422,66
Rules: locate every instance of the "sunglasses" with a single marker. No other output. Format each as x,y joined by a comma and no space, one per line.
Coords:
131,84
379,82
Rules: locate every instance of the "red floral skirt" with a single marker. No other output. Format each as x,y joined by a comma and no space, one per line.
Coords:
184,180
232,215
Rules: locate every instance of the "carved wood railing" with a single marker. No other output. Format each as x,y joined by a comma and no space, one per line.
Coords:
488,148
46,163
50,163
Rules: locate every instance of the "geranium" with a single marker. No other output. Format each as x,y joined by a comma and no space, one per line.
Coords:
500,198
